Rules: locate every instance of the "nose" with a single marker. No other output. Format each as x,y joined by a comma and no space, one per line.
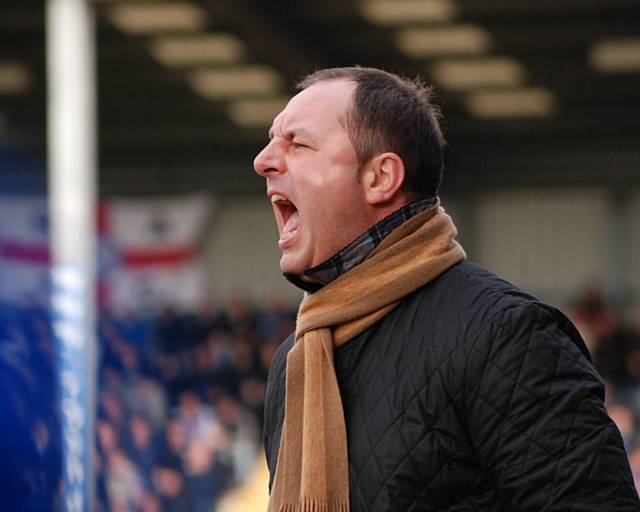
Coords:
269,161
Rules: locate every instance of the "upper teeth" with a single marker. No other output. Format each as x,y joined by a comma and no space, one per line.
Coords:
277,198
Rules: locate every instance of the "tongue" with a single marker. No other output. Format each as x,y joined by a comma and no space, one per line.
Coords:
292,224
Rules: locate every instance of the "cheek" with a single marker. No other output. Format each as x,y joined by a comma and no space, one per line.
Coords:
327,194
314,192
334,214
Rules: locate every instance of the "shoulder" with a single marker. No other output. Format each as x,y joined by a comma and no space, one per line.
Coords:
467,286
512,311
469,305
461,301
498,325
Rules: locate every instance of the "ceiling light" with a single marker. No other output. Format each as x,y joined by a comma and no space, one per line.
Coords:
616,55
189,50
397,12
240,81
527,102
465,74
14,78
147,18
254,113
451,40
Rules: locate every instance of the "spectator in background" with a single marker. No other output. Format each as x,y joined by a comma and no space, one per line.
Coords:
125,485
241,317
198,421
142,446
206,474
204,444
168,474
112,407
242,429
149,400
276,320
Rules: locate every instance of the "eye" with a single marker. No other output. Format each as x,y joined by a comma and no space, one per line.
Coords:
298,145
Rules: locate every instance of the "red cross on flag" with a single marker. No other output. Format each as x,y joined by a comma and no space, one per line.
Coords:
148,254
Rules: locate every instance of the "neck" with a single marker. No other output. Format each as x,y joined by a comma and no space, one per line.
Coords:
357,251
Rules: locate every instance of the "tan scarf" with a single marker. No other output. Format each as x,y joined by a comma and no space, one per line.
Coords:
312,474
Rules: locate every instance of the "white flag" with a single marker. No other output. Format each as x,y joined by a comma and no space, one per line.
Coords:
157,242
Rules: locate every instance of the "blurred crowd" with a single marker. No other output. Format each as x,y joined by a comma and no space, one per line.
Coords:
29,413
179,412
180,404
180,399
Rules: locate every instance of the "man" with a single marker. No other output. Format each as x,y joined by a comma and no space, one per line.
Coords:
415,380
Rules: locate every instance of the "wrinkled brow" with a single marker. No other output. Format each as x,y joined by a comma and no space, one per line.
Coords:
291,134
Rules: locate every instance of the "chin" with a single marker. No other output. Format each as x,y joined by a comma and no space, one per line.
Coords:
288,265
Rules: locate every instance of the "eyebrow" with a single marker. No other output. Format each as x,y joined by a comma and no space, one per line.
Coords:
295,132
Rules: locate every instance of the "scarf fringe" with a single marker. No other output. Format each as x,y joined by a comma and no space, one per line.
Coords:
309,505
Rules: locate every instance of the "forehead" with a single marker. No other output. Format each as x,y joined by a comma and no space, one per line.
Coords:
321,106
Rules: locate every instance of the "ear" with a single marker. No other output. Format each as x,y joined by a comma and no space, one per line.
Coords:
382,178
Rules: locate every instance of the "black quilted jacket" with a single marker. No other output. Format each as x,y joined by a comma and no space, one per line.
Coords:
471,396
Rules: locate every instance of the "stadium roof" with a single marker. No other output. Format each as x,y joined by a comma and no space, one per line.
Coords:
533,92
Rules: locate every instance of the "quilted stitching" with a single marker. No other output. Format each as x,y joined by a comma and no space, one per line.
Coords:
471,396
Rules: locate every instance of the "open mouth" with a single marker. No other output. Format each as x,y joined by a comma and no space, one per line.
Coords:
286,215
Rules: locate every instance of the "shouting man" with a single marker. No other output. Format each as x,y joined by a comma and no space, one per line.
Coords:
415,380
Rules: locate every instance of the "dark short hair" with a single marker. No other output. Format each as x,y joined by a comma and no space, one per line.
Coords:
395,114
